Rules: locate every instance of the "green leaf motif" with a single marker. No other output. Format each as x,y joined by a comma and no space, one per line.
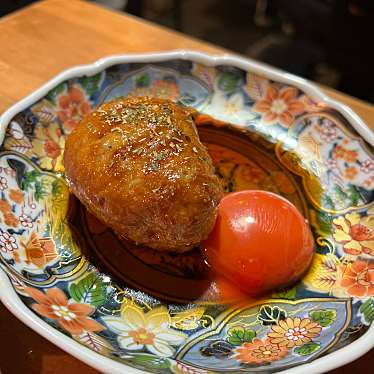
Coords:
51,96
41,189
327,202
325,222
228,82
143,80
151,361
340,194
307,348
323,317
32,180
270,315
353,195
367,310
289,294
90,289
56,188
238,336
29,178
91,84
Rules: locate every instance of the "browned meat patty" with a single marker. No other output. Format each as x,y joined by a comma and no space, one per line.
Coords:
139,166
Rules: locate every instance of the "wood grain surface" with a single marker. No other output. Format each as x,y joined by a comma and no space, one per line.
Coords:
37,43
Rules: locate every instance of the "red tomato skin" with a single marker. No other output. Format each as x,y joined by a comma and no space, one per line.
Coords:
260,241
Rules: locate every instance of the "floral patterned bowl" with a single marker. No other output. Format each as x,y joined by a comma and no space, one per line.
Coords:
128,310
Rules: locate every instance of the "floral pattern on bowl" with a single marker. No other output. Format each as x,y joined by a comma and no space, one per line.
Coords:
269,337
341,162
265,134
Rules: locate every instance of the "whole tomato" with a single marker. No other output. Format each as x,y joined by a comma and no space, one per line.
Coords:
260,241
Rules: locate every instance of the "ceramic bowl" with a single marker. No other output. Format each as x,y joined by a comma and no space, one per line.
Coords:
123,309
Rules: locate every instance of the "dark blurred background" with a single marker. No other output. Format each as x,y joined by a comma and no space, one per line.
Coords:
328,41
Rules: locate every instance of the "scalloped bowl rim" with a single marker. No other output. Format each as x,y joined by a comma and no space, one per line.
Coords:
12,301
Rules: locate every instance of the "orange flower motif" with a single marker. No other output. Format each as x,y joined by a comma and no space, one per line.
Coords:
142,336
339,152
52,149
165,89
11,220
351,173
358,278
345,154
259,352
72,317
72,107
39,251
279,106
48,144
356,233
5,207
350,156
16,196
294,332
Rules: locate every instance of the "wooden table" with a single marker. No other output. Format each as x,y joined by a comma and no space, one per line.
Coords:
37,43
